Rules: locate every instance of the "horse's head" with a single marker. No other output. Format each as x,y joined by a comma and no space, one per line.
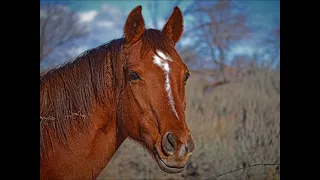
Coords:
154,95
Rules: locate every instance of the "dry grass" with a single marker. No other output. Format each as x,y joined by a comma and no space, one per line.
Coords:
234,126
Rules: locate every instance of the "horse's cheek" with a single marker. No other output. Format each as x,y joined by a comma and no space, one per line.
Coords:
148,131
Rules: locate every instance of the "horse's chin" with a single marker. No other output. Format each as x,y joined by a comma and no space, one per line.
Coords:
164,167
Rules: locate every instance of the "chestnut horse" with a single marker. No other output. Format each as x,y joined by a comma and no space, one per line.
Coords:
131,87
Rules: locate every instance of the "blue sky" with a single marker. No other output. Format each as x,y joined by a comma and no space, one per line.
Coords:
106,19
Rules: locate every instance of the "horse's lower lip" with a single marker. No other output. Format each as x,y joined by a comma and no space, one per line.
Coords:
166,168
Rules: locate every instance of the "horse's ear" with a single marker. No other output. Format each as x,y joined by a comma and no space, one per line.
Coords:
134,27
174,26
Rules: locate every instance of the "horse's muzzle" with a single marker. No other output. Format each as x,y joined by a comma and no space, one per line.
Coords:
173,154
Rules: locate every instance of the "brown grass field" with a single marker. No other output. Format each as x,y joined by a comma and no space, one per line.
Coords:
234,126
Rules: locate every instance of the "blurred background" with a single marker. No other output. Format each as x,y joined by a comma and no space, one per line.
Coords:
233,96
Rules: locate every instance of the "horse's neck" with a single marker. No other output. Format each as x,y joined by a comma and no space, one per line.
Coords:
105,141
87,153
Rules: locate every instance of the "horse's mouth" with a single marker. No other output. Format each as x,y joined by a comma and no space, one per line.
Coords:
166,168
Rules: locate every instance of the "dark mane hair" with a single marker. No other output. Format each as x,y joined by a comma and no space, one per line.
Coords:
68,92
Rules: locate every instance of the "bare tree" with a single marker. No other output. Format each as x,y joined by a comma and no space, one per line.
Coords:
217,25
189,56
58,26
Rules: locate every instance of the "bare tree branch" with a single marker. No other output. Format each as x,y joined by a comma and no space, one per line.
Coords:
58,26
218,26
250,166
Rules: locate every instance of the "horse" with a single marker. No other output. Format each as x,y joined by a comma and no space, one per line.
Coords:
132,87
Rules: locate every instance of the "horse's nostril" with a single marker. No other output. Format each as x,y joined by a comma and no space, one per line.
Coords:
171,139
168,144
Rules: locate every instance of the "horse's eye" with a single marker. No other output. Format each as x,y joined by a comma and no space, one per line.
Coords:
187,77
133,76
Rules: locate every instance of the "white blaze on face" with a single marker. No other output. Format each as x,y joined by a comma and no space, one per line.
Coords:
161,60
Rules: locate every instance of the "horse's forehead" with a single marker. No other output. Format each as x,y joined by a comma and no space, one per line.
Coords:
163,55
158,55
171,58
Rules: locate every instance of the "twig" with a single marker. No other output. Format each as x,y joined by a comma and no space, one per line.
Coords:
250,166
51,118
76,114
46,119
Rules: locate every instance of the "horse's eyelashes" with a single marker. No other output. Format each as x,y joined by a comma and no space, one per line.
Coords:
187,77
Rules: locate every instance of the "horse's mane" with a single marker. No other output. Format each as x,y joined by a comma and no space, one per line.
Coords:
68,92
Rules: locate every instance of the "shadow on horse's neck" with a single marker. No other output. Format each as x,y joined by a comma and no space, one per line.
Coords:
79,105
